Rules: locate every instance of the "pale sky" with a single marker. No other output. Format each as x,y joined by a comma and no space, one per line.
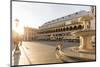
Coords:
36,14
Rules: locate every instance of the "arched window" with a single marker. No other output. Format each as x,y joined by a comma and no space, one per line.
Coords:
67,28
80,27
70,28
75,27
64,29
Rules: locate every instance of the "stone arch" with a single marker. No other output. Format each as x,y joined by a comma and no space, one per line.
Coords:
56,30
75,27
79,26
71,28
66,28
63,28
82,26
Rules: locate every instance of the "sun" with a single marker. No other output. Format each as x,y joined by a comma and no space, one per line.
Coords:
19,30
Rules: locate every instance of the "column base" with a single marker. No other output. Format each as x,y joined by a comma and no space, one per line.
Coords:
77,49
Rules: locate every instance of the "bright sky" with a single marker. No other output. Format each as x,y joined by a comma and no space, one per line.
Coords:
36,14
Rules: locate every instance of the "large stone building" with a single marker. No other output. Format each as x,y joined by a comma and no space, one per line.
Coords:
62,28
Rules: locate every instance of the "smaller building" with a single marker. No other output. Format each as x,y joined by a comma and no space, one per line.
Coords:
29,33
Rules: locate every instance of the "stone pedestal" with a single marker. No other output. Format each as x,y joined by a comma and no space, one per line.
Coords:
85,42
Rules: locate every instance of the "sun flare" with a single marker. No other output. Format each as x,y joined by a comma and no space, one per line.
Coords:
19,30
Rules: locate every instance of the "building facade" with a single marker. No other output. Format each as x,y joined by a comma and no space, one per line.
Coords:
29,33
63,27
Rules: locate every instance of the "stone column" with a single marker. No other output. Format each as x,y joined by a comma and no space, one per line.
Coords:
85,43
86,25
